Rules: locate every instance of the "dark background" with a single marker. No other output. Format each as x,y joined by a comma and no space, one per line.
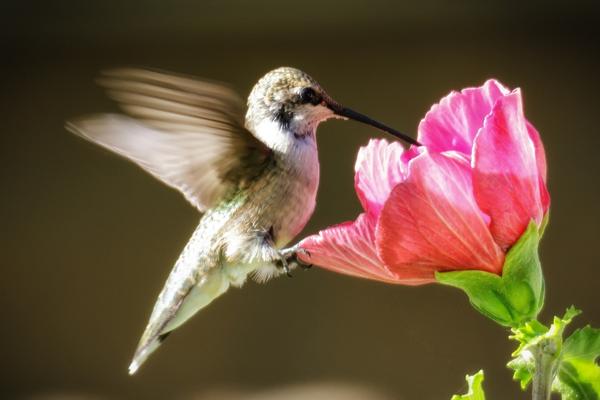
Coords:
88,239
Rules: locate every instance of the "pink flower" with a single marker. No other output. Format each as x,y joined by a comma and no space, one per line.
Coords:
459,202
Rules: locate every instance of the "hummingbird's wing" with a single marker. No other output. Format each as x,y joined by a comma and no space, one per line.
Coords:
187,132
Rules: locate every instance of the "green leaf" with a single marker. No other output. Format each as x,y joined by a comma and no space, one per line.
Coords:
579,375
523,363
475,388
583,344
537,340
571,313
523,370
515,297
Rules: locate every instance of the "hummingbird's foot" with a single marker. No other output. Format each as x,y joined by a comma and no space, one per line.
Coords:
291,256
285,267
301,263
282,263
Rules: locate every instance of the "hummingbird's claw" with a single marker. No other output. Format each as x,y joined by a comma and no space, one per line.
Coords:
305,266
286,268
298,261
283,260
290,255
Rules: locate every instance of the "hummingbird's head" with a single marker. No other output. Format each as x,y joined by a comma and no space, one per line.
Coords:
290,98
296,104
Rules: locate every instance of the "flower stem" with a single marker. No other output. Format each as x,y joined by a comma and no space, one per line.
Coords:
545,354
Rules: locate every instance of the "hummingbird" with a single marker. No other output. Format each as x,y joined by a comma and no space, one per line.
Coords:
254,178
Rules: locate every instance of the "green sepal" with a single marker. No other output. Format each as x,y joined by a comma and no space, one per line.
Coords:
513,298
579,374
544,224
475,391
537,340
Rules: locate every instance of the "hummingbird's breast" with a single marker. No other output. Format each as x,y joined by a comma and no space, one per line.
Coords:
284,198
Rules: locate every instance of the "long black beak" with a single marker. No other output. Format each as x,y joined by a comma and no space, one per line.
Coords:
351,114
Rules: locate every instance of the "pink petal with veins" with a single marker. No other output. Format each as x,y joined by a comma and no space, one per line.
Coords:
379,167
540,156
432,221
506,179
453,123
349,248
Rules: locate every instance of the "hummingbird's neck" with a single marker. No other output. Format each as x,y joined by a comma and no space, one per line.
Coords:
284,138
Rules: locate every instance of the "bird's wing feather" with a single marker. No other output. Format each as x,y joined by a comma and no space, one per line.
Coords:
186,132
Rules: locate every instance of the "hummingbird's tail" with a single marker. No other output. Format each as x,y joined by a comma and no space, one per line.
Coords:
175,305
143,352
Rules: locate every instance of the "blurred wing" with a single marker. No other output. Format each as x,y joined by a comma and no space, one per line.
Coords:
186,132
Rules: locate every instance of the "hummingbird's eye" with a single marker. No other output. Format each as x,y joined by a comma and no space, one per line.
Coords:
309,95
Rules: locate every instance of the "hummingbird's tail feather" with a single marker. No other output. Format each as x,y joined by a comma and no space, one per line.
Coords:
174,306
142,353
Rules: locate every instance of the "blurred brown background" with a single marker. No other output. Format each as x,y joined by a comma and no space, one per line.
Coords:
88,239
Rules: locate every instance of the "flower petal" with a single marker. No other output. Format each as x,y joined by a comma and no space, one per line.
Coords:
432,220
506,176
453,123
540,156
349,248
379,167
